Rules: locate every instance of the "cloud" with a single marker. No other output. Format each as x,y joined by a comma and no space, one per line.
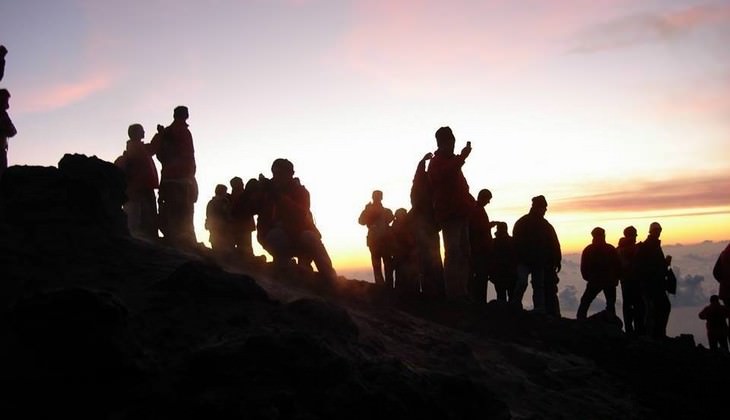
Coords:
684,193
568,297
63,93
647,28
690,291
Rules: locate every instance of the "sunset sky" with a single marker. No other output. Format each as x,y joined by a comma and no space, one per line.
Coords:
617,111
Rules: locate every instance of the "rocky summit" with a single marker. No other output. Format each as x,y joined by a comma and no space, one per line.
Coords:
97,324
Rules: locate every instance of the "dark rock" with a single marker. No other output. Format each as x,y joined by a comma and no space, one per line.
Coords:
203,280
323,315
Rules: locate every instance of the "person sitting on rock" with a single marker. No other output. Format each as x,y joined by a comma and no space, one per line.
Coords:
286,226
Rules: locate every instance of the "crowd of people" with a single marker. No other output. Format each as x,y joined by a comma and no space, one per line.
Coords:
405,245
405,253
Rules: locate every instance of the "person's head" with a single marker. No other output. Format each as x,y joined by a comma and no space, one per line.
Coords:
715,299
502,229
282,169
236,183
445,139
221,189
539,204
630,232
598,234
3,51
484,197
4,99
400,213
135,132
377,196
180,113
655,229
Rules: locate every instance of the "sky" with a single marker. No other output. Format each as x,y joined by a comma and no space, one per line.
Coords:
617,111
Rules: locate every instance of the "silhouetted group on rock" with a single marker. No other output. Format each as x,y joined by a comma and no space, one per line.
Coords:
178,189
405,248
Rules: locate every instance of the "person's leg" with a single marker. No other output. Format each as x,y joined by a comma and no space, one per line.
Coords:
538,290
589,294
312,245
456,259
376,262
610,293
523,272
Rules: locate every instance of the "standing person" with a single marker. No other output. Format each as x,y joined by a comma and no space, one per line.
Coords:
7,129
453,205
173,146
504,268
721,272
653,268
242,223
480,236
141,175
286,226
716,316
426,233
599,266
538,253
379,239
633,304
217,222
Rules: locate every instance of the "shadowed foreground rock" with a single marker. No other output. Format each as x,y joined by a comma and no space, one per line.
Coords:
98,325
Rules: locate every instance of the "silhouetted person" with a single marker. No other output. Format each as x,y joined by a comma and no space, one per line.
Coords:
218,222
404,253
426,233
633,303
504,263
721,272
379,239
652,269
480,236
716,316
3,53
7,129
141,175
453,205
242,222
285,226
173,146
538,254
599,266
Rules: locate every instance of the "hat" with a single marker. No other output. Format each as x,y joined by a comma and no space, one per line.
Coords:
539,201
630,231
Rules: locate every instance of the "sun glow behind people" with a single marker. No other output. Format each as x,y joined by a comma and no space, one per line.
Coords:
616,111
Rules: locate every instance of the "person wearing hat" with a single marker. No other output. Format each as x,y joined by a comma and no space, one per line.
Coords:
633,304
538,256
599,266
653,269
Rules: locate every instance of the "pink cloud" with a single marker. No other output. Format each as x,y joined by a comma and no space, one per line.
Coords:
684,193
645,28
412,42
62,94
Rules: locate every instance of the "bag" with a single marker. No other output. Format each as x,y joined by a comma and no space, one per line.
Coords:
671,282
